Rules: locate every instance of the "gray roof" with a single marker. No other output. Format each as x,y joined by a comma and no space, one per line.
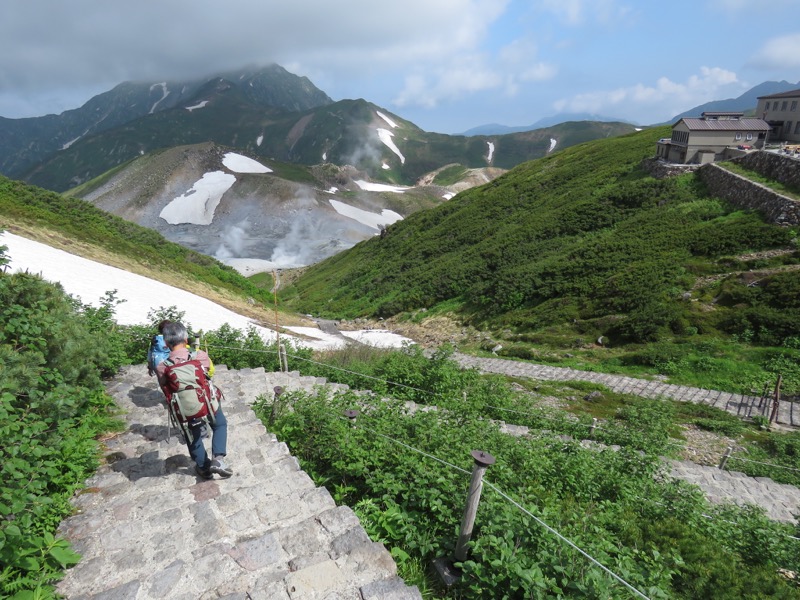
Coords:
789,94
726,124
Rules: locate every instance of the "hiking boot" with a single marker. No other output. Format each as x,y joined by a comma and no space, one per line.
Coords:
219,467
204,473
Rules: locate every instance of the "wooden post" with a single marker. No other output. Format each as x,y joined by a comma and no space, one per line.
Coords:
275,404
725,458
352,415
777,399
276,281
482,461
282,358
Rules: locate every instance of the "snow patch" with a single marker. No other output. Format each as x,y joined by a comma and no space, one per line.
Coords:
448,196
242,164
259,139
491,152
332,190
386,137
197,206
385,167
379,187
374,220
379,338
324,156
89,281
200,105
164,94
553,143
391,123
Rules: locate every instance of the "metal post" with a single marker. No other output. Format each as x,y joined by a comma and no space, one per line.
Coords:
725,458
482,461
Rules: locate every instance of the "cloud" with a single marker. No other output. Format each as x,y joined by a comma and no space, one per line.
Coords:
579,12
513,65
652,103
95,45
779,53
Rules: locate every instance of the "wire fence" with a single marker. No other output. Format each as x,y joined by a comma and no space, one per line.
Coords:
516,504
592,427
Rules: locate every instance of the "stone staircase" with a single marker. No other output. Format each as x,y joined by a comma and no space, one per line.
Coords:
149,528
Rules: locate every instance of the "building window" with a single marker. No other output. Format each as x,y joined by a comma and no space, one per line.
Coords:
794,105
738,136
788,127
766,106
749,137
783,104
797,128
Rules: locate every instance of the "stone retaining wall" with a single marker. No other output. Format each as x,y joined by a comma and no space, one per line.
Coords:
744,193
780,167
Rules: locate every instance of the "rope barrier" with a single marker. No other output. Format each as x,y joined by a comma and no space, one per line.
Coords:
732,457
711,517
435,394
521,508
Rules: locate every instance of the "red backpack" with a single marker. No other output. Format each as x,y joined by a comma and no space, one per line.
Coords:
190,393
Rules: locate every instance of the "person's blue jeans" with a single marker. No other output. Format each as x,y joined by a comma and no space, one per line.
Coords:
219,440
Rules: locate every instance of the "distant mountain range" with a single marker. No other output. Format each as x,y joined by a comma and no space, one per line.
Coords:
745,103
496,129
268,113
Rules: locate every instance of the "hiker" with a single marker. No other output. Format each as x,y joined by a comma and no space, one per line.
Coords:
184,374
158,351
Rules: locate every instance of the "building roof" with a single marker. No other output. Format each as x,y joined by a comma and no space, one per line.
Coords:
748,124
789,94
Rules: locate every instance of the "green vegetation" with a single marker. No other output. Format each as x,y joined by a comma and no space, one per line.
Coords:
786,190
80,220
652,531
582,244
52,408
450,175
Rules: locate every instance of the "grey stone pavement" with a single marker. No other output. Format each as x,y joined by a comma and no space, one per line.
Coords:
737,404
780,501
148,528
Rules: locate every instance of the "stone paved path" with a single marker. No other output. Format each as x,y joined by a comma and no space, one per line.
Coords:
738,404
149,528
780,501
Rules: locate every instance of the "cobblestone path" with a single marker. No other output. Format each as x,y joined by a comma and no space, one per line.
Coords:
737,404
149,528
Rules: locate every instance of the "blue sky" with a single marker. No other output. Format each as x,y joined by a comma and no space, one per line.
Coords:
446,65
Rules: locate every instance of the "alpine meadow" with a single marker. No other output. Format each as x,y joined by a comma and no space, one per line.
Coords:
581,246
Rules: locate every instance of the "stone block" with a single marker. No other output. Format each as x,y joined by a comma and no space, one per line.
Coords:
316,581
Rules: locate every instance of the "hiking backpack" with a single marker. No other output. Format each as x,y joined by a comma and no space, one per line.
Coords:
157,353
190,393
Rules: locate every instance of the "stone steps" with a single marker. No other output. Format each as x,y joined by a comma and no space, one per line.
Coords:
148,527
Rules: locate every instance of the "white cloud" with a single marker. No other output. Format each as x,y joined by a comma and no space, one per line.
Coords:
579,12
779,53
652,103
514,64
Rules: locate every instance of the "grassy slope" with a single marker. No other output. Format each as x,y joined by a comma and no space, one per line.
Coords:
80,228
582,242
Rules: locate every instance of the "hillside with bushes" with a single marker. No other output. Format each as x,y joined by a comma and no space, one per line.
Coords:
581,246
